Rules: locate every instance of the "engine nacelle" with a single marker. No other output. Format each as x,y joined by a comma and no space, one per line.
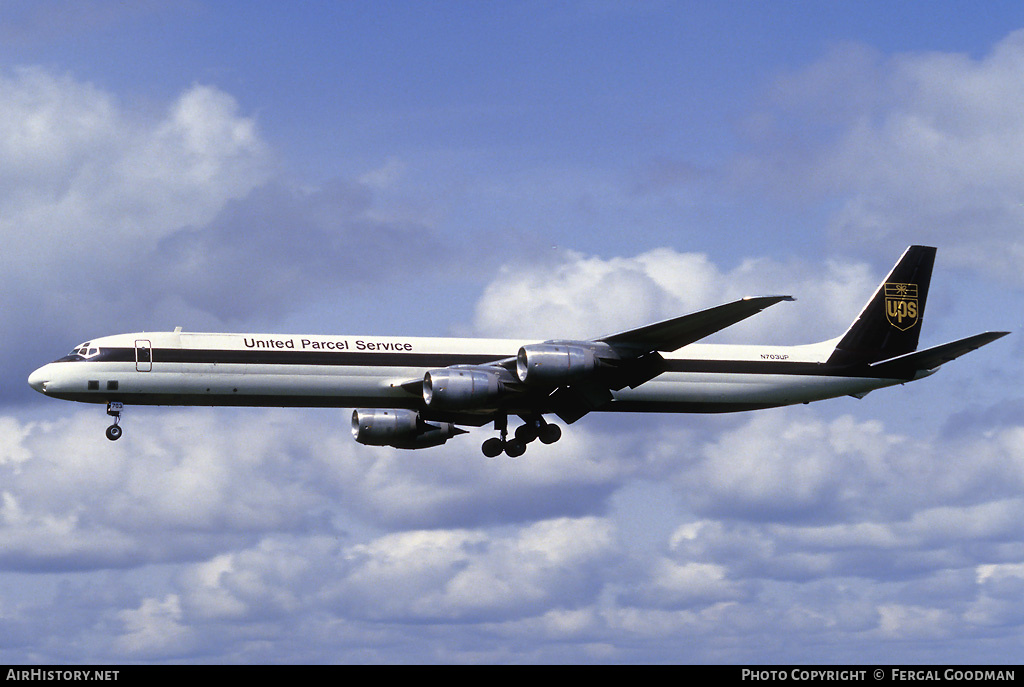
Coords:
456,388
399,428
554,364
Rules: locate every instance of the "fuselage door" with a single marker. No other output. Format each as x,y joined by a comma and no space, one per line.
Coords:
143,355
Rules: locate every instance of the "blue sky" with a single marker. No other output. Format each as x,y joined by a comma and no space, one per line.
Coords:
510,169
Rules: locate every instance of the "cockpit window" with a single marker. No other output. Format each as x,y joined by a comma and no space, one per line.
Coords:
85,350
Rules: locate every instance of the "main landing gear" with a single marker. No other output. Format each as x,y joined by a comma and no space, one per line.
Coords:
114,409
535,428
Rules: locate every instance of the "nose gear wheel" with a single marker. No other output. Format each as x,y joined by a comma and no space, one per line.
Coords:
114,409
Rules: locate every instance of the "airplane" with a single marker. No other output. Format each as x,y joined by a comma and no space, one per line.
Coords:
414,392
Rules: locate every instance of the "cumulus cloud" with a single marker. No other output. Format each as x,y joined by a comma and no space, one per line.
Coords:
87,173
118,219
576,295
89,188
155,630
476,575
917,147
183,484
783,520
75,505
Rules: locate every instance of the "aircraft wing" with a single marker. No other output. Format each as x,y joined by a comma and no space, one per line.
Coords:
571,378
633,357
910,364
677,332
674,333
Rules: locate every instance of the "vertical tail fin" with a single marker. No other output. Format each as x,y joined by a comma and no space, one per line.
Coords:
890,323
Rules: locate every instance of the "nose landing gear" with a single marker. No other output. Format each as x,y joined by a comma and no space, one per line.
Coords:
114,409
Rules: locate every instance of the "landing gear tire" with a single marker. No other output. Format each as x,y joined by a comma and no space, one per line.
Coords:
549,434
114,409
526,433
493,447
515,448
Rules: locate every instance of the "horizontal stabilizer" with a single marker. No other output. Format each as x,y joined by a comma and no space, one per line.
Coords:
930,358
677,332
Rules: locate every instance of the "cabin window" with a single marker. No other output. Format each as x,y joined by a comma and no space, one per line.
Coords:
112,385
94,385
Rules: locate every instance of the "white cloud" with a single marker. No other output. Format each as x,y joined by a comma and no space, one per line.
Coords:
780,466
154,629
12,441
208,595
120,219
690,582
912,148
579,296
418,575
1000,601
88,189
914,622
823,526
182,484
90,180
48,125
788,521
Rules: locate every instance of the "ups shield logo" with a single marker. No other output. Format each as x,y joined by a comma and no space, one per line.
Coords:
901,305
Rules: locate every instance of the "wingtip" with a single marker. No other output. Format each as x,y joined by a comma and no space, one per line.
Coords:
774,299
989,337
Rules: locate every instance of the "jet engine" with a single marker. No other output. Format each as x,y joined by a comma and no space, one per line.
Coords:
551,364
456,388
399,428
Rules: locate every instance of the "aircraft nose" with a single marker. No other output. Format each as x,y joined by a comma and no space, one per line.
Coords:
38,379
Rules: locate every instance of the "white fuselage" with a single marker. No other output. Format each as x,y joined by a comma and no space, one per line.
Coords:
184,368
